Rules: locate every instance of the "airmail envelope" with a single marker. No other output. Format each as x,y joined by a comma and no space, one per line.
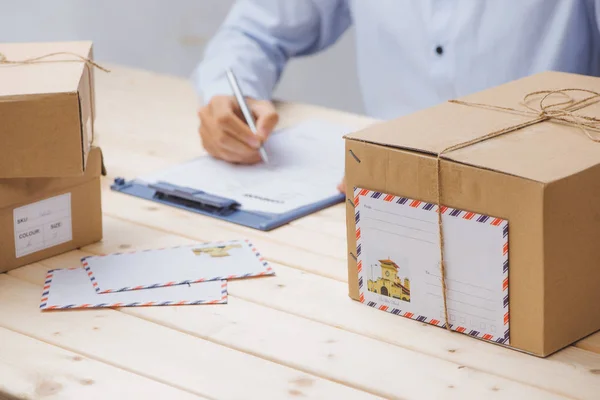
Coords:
175,266
71,289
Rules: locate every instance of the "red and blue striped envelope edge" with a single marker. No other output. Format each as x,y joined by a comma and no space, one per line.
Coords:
44,306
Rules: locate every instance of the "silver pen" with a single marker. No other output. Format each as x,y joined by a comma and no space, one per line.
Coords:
245,110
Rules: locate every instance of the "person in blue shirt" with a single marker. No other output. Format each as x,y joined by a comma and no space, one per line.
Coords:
411,54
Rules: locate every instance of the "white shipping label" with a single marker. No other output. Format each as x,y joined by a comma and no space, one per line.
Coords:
43,224
398,264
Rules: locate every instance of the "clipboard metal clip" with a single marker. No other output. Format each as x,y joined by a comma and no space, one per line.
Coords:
194,198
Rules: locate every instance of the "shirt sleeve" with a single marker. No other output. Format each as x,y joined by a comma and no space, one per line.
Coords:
594,11
258,37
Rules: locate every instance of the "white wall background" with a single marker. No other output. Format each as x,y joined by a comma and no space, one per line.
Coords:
169,37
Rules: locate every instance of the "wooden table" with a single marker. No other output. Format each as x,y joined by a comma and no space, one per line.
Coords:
296,335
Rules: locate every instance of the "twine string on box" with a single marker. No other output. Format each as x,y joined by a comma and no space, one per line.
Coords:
562,111
44,59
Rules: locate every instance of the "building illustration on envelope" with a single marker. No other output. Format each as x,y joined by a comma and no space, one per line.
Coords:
388,283
216,251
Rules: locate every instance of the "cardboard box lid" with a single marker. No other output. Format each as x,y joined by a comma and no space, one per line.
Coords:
16,191
543,152
19,80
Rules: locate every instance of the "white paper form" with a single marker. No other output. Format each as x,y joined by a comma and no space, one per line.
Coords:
398,259
42,224
306,163
71,289
175,266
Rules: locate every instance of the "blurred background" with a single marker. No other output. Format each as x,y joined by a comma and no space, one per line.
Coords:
169,37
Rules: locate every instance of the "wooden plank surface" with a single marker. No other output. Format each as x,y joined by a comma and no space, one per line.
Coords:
166,355
305,294
321,303
31,368
319,349
295,335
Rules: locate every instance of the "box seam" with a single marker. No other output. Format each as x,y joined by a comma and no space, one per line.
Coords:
81,132
67,188
544,285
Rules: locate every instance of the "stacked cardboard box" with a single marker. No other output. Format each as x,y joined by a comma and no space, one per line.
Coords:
49,169
541,174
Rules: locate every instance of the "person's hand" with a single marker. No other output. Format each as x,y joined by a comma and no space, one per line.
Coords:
225,134
342,185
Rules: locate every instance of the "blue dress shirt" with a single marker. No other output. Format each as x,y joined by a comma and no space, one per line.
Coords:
411,54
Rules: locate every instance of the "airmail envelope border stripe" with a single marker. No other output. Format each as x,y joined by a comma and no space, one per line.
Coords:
453,212
267,271
44,306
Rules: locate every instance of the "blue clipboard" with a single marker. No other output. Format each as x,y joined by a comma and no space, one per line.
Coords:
200,202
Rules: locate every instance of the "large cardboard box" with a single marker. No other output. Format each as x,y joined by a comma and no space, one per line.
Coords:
43,217
46,109
543,178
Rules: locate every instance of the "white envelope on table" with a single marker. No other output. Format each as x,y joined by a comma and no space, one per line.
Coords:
71,289
175,266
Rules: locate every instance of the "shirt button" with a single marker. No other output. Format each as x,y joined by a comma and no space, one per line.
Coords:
439,50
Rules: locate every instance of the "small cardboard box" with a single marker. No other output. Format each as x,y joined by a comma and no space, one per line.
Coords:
43,217
543,178
46,109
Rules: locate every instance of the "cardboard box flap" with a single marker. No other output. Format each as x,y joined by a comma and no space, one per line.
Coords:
32,79
544,152
14,191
